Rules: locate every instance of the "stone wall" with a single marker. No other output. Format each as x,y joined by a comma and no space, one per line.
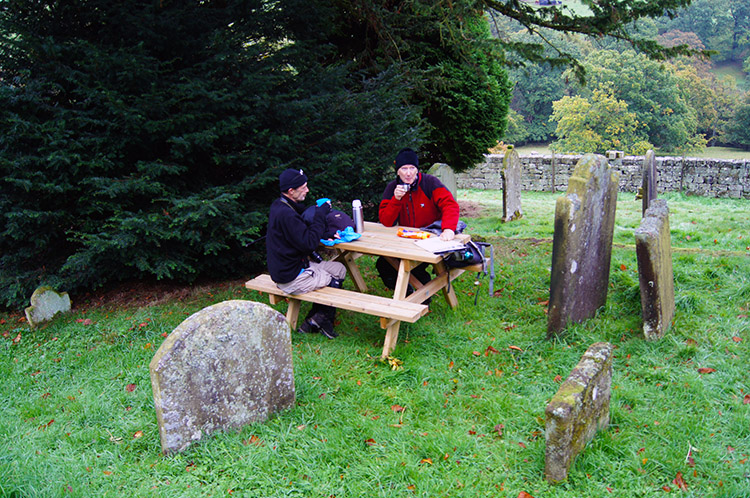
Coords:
694,176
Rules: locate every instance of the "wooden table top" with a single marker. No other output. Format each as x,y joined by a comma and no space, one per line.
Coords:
380,240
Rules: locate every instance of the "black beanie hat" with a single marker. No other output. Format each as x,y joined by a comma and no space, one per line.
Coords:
291,178
406,156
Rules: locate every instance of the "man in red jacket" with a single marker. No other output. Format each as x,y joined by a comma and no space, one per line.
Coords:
415,200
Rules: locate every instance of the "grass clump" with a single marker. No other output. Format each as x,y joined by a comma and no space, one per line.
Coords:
462,416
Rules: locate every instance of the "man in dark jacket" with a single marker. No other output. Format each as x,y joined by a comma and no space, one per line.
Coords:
290,242
415,200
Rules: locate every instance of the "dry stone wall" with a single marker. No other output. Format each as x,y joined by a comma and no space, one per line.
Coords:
693,176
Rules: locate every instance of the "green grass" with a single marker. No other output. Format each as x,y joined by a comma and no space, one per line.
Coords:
71,426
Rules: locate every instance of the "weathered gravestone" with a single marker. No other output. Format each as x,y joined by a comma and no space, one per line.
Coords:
653,248
445,174
45,304
582,246
511,174
225,366
578,409
648,185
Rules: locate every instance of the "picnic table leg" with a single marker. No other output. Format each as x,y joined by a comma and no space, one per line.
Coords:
448,291
402,282
348,260
292,313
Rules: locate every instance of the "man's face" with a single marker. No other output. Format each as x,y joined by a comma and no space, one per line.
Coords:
407,173
298,194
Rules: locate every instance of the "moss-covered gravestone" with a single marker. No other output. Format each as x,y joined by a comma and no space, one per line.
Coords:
582,246
578,409
653,248
648,185
224,367
446,175
511,174
45,304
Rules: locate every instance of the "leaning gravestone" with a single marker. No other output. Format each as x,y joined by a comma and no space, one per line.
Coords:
578,409
653,248
45,304
511,174
582,246
648,186
224,367
446,175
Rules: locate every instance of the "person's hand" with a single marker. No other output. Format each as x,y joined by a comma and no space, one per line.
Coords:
448,234
399,192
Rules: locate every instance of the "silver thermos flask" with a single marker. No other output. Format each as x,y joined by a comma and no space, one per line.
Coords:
357,216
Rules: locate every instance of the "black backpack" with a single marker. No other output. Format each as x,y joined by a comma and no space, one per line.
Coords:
335,220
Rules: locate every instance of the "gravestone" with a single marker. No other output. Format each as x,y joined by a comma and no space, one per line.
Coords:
225,366
445,174
653,248
578,409
582,245
648,186
45,304
511,174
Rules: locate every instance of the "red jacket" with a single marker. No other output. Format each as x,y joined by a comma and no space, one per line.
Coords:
429,202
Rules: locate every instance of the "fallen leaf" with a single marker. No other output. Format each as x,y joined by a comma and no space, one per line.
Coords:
680,482
746,400
516,348
691,342
499,429
623,267
558,378
397,408
450,365
86,321
426,460
137,434
666,488
411,487
730,449
476,353
524,494
370,442
706,370
737,339
130,388
522,445
107,472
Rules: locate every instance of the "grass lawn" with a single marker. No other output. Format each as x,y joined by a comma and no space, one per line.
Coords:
462,417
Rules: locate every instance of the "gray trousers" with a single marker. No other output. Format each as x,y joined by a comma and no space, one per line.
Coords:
317,276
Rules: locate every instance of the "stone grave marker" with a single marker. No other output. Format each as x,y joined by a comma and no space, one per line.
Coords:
648,186
445,174
511,174
225,366
578,410
45,304
582,245
653,248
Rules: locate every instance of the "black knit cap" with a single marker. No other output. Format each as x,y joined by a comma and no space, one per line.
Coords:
291,178
406,156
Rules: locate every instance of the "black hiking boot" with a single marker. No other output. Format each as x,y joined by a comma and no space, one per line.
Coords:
324,325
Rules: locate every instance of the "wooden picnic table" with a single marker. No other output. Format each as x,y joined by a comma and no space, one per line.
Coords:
404,255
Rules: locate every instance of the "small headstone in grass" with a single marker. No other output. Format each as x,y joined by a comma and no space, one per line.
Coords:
578,409
582,246
45,304
225,366
654,252
511,174
446,175
648,185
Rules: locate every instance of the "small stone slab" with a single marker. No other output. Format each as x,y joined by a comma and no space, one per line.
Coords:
653,248
45,304
446,175
511,174
582,245
648,186
225,366
578,410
